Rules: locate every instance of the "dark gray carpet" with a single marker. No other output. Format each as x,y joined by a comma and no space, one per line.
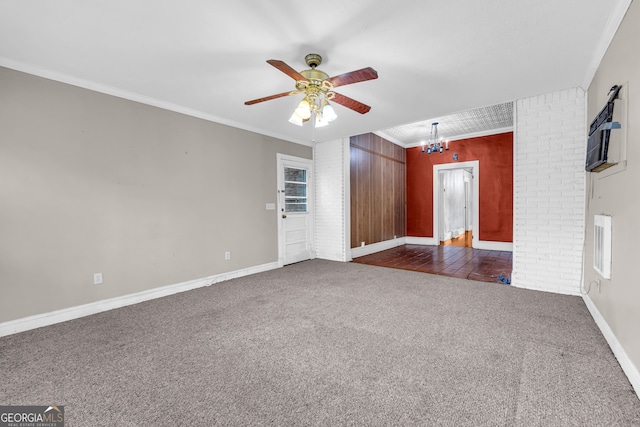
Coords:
326,343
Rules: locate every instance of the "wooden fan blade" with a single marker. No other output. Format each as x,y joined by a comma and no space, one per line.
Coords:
287,69
351,103
361,75
269,98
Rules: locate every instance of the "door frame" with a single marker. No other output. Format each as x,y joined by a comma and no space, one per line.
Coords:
474,165
300,162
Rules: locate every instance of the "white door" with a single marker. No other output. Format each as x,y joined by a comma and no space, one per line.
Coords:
295,210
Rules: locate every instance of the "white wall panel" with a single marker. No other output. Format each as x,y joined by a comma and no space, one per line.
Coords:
549,191
331,165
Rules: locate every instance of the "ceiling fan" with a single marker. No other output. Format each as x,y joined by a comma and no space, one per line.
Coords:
317,88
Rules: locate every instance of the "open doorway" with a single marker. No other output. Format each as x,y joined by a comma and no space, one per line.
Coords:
456,203
456,208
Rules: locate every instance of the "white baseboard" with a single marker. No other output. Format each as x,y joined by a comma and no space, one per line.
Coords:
50,318
630,370
494,246
481,244
427,241
377,247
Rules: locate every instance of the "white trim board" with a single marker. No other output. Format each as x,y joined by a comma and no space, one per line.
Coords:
474,165
427,241
482,244
346,200
630,370
494,246
377,247
58,316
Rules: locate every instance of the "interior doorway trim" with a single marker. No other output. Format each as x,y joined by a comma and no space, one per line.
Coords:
474,165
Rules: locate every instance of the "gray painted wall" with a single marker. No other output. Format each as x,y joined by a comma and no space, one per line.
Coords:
616,194
93,183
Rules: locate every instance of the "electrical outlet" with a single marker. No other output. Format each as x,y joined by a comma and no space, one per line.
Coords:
97,278
227,256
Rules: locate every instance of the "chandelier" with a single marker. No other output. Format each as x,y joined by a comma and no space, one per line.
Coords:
435,144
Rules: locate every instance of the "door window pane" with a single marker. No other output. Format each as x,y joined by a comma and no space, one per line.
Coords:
295,190
295,175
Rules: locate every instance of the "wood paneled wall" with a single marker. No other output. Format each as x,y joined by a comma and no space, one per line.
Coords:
377,190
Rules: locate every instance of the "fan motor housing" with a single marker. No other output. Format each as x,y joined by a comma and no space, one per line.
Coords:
317,80
314,74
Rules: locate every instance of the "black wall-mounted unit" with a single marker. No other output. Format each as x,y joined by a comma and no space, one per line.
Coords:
599,134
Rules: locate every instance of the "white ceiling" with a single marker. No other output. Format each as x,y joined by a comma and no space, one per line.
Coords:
206,57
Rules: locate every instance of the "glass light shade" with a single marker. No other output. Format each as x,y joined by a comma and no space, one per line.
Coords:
303,110
296,120
328,114
320,121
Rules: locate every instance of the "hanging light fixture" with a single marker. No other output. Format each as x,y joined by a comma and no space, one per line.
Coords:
435,143
317,88
314,106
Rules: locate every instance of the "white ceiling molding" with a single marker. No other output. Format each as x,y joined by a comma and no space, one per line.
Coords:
135,97
472,135
390,138
618,10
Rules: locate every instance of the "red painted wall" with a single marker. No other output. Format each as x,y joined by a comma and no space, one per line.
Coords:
495,153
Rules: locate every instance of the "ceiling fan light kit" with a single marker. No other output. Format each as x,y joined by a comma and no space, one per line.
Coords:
317,87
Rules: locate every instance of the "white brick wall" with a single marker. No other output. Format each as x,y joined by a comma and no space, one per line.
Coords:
331,167
549,191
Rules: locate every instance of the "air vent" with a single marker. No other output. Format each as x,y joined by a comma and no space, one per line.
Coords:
602,245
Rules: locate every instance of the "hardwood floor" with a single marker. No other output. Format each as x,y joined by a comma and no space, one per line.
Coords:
462,240
455,261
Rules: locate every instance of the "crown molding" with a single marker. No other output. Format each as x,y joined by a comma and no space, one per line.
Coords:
136,97
615,19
